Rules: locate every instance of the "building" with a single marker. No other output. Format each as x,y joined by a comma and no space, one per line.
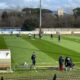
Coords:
60,12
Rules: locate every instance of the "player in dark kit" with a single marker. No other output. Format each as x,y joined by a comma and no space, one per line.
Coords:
40,35
34,36
61,62
68,63
51,35
59,37
33,58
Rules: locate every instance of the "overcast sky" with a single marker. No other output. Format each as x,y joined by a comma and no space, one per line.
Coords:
49,4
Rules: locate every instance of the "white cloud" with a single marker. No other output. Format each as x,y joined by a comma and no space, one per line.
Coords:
27,0
3,5
50,4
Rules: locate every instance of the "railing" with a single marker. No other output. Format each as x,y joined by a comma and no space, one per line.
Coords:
67,76
58,76
28,78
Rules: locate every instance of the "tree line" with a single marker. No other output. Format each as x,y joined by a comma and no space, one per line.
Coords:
28,19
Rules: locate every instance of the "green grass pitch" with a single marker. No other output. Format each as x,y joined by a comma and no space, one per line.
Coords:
47,50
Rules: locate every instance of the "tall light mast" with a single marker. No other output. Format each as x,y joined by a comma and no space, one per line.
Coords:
40,21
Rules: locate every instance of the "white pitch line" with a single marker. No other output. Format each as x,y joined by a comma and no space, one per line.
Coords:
46,66
45,63
76,62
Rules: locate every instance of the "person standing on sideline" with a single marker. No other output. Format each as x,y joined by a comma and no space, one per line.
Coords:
59,37
51,35
68,63
40,35
33,58
34,35
61,63
29,35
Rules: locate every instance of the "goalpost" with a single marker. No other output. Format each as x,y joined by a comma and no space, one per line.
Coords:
5,59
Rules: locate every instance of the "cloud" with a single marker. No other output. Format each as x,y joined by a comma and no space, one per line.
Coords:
3,5
27,0
49,4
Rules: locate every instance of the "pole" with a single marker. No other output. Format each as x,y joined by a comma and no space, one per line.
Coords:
40,21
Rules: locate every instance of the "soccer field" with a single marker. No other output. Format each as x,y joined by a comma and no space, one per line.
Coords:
47,50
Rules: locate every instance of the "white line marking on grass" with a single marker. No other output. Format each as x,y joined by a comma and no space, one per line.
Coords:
47,63
76,62
46,66
77,68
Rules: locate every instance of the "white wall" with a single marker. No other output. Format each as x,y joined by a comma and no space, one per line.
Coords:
46,31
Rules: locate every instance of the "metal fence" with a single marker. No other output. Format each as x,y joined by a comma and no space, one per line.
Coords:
28,78
65,75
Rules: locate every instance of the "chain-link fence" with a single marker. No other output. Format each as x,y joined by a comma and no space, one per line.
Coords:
65,75
28,78
70,75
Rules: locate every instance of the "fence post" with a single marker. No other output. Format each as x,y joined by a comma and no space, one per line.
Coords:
54,78
2,78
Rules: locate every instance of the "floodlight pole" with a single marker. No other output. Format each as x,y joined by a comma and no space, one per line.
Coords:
40,21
